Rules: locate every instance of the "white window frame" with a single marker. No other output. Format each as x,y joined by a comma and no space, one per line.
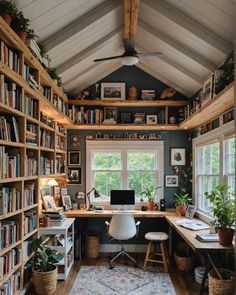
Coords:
219,134
125,146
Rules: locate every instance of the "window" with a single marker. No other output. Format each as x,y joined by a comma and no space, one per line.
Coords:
123,165
214,163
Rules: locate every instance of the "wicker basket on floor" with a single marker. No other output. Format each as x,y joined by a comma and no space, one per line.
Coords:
92,246
45,282
221,287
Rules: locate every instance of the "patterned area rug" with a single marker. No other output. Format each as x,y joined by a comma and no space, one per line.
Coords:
122,280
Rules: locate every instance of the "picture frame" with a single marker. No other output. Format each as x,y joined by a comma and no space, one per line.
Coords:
57,192
177,156
66,201
126,117
74,140
172,180
139,118
74,158
64,191
191,209
110,114
49,202
113,91
74,175
207,89
151,119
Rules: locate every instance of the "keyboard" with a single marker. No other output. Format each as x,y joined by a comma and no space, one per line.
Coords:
124,211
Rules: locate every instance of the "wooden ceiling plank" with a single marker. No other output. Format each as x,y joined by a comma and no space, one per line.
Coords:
134,18
81,23
127,18
190,25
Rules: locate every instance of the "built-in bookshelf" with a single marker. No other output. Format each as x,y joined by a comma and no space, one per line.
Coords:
33,111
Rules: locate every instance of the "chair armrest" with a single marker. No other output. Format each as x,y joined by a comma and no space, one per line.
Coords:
137,228
107,225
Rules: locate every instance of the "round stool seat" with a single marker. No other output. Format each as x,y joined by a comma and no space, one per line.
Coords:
156,236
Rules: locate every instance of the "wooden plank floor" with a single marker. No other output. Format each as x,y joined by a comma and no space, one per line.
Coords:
183,282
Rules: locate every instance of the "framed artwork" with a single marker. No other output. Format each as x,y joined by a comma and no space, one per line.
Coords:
57,192
207,90
110,114
139,118
66,201
74,140
74,175
172,181
113,91
126,117
74,158
151,119
49,203
177,156
190,211
64,191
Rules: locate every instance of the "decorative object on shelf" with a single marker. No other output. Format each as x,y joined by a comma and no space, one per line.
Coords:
139,118
74,140
181,203
229,116
167,93
223,208
49,203
64,191
172,181
172,120
74,175
113,91
110,115
151,119
66,201
53,74
57,192
44,272
8,10
96,195
132,93
177,156
191,209
126,117
150,193
207,90
74,158
52,182
148,94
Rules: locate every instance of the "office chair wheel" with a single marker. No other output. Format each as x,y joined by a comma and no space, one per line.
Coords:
110,266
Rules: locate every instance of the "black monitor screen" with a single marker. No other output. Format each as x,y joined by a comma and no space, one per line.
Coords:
122,197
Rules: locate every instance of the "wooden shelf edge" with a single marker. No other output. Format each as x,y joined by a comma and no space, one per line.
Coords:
8,275
25,237
10,214
7,249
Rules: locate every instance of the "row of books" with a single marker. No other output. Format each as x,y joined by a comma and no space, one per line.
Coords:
47,92
30,222
29,194
31,106
8,261
46,138
60,142
46,165
10,200
27,248
58,102
11,286
46,120
60,128
9,129
9,163
31,134
9,57
59,164
30,165
148,94
9,233
11,94
29,77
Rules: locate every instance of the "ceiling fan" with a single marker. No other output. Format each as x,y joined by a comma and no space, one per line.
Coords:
130,56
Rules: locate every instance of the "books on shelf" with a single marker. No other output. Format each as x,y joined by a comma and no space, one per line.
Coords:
11,94
27,248
192,224
12,285
29,222
9,163
9,57
30,164
46,138
8,261
31,133
148,94
29,197
9,233
10,200
30,106
46,165
206,238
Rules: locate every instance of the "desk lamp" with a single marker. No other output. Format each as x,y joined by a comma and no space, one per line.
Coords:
96,195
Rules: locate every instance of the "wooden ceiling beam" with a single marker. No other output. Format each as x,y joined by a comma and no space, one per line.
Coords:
131,17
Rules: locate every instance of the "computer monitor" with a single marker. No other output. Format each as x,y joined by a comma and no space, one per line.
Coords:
122,199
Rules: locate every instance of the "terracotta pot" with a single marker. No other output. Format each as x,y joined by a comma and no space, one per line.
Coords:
151,206
226,236
7,18
182,209
22,35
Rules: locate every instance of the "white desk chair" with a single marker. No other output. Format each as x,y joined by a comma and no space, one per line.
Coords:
122,227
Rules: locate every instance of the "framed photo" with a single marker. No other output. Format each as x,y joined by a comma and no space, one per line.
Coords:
207,89
151,119
190,211
66,201
57,192
74,140
177,156
74,158
172,181
139,118
126,117
49,203
64,191
74,175
110,114
113,91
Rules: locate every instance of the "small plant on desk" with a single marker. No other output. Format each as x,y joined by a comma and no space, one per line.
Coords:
182,200
150,193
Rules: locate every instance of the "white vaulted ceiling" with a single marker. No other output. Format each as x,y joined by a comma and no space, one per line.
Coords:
194,36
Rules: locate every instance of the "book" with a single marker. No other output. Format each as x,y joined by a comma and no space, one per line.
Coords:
192,224
206,238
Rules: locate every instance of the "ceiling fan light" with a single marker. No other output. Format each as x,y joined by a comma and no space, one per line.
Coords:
129,60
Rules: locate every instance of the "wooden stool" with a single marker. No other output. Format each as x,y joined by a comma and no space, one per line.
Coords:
159,237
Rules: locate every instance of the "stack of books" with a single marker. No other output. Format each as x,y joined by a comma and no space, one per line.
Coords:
148,94
31,43
206,238
56,217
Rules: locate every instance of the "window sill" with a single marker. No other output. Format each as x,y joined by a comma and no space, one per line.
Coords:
204,217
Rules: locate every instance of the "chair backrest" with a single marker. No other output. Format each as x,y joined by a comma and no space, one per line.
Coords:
122,227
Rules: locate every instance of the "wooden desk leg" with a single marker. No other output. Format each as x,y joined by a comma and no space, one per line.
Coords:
170,240
204,276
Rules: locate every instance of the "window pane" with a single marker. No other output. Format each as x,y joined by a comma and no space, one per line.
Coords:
206,184
139,181
230,155
104,182
141,161
106,161
210,162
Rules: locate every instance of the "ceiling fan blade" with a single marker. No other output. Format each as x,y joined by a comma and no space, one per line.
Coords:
157,53
107,58
128,45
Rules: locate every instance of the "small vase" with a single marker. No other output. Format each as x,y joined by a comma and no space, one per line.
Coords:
182,209
7,18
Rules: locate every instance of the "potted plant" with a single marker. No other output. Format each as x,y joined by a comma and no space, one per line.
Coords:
150,193
20,25
53,74
44,271
8,10
182,200
223,209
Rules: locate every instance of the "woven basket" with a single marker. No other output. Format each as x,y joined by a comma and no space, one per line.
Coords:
221,287
45,282
184,262
92,246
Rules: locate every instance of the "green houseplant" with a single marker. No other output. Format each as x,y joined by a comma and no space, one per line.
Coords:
223,208
182,200
150,193
8,10
20,25
53,74
44,271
